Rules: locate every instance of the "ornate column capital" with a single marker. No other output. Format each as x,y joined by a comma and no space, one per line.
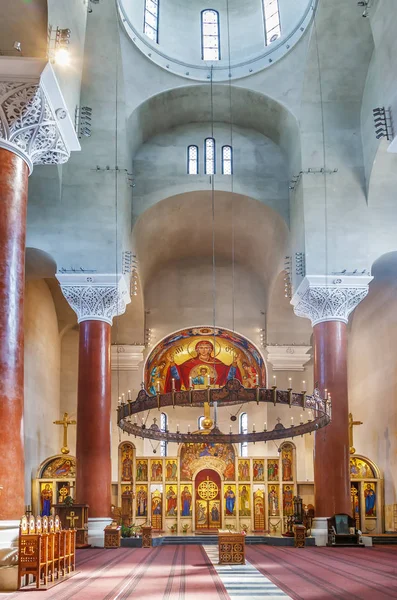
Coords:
34,120
96,297
329,297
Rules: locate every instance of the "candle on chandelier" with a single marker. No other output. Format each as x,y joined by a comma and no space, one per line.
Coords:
177,428
188,428
265,427
310,415
190,382
158,387
303,385
122,398
230,429
209,380
119,399
274,380
253,428
129,394
301,420
290,382
292,420
173,384
325,393
257,379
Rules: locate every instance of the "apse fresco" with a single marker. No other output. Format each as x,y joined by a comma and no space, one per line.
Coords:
203,356
360,469
218,456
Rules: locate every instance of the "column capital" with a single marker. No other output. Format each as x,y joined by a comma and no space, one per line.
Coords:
96,297
329,297
34,119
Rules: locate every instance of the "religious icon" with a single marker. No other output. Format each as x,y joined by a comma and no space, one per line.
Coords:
156,470
273,502
142,470
230,501
259,510
272,470
243,469
258,468
186,501
286,461
171,501
126,462
214,514
58,468
126,504
359,468
355,504
370,499
171,470
203,357
46,499
201,513
157,509
141,501
288,504
191,455
244,500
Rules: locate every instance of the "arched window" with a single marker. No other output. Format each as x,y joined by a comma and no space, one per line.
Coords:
227,160
163,427
272,21
210,41
243,429
200,422
151,20
192,160
209,156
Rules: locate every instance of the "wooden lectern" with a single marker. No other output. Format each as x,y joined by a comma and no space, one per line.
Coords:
75,517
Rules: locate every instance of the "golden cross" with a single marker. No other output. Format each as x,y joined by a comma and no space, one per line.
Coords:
72,518
65,423
351,425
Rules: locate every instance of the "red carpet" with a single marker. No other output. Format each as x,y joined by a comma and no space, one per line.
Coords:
329,573
165,572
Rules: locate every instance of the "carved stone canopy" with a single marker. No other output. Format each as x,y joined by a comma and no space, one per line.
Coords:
97,297
329,297
34,120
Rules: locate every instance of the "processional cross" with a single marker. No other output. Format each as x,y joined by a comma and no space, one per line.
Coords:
65,423
351,425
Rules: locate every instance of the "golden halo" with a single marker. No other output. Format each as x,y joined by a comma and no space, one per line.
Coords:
192,344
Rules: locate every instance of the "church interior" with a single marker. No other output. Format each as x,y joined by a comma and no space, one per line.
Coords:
198,290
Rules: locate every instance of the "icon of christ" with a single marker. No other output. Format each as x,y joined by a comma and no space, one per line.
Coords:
218,372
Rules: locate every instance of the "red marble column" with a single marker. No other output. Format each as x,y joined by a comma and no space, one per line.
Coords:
331,447
13,201
93,453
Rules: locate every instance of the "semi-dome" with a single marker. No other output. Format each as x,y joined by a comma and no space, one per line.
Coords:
196,38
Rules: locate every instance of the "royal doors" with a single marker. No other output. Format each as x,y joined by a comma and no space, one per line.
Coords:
208,500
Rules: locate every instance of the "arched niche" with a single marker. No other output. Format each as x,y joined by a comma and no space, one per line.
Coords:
55,479
366,487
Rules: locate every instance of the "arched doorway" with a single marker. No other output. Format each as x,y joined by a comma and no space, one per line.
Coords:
208,502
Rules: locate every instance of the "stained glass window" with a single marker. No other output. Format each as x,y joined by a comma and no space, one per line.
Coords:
200,422
209,158
192,160
151,20
210,41
244,429
272,21
227,160
163,427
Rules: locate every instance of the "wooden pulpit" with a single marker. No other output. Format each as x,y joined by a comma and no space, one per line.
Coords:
75,517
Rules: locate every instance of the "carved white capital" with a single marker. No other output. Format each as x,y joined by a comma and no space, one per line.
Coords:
34,121
288,358
329,298
126,357
95,297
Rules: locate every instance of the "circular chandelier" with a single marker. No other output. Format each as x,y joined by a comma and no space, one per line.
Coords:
232,393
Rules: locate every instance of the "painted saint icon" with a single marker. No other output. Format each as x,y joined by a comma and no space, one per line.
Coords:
230,501
46,500
186,501
172,501
141,502
370,500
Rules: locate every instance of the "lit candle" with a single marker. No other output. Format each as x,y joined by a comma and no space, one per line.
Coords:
209,380
325,393
310,415
301,420
289,382
230,429
122,397
188,428
119,399
265,427
158,387
177,428
190,382
129,394
173,384
292,420
253,427
274,380
303,385
257,379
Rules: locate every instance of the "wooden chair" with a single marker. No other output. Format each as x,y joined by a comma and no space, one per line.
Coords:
342,531
29,552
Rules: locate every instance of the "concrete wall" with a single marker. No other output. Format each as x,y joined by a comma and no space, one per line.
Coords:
42,379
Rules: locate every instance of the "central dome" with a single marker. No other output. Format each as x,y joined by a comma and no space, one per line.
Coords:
195,39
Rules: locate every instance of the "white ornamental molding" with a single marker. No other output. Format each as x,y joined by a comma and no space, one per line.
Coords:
95,297
126,357
34,120
288,358
329,298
